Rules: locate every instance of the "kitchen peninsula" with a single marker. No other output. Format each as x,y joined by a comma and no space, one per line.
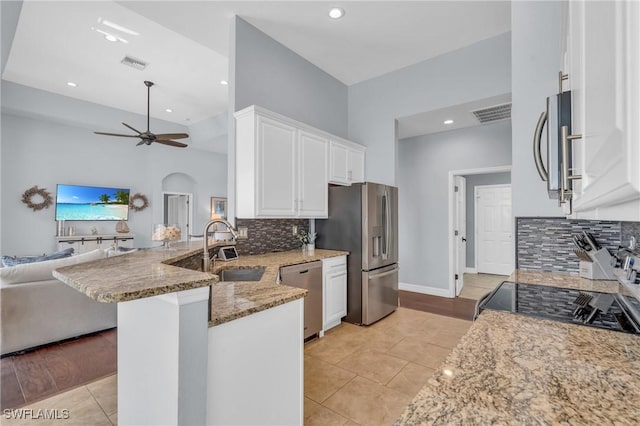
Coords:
516,369
193,350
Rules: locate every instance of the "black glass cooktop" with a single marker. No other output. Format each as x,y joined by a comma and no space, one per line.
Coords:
565,305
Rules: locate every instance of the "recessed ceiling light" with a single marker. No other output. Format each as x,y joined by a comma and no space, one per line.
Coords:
448,121
110,36
169,110
224,82
118,27
336,13
71,84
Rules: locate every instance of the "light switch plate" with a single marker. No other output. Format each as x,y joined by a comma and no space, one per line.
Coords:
243,232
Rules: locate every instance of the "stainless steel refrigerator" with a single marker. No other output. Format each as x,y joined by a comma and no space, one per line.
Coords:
363,219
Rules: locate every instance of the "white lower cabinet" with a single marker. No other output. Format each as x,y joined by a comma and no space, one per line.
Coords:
334,291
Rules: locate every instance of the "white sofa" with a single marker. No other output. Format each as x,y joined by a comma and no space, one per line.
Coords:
36,309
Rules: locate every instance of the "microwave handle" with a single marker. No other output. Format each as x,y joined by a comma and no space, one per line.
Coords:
537,140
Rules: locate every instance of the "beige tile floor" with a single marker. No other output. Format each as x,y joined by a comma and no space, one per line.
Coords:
477,285
353,375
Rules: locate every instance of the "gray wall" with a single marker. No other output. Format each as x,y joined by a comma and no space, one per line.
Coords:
472,182
536,59
45,151
424,165
264,72
474,72
272,76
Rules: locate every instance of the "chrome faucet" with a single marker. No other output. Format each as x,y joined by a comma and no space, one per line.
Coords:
207,265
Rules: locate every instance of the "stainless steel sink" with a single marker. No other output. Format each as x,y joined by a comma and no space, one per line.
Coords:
249,274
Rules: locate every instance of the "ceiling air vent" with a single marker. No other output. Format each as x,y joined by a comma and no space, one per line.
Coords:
136,63
494,113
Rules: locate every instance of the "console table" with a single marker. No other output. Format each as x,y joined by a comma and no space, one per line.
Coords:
86,243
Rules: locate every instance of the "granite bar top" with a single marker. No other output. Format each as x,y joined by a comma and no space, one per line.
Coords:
231,300
575,282
151,272
144,273
512,369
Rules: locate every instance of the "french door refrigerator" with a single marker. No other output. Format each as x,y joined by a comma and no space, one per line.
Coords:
363,219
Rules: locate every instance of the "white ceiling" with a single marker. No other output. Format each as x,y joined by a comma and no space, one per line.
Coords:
186,44
433,121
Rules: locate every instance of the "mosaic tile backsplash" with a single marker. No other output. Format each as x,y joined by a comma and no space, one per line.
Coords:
269,235
545,243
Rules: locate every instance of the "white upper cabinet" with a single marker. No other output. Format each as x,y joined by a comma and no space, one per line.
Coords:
313,162
347,162
604,76
281,167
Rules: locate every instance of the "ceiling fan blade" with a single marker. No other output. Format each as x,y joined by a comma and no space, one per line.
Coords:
137,131
171,143
167,136
116,134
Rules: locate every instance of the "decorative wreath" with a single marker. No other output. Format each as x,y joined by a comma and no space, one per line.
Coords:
35,191
138,202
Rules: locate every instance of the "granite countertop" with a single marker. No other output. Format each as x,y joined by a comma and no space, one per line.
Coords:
152,272
231,300
575,282
512,369
144,273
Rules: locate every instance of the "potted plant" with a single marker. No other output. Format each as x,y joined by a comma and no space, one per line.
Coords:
308,240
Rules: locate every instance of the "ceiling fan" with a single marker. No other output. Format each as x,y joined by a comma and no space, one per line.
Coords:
147,137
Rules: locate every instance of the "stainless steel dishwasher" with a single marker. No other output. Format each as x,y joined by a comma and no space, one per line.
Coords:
307,276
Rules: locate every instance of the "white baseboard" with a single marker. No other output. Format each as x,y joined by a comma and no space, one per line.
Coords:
470,271
433,291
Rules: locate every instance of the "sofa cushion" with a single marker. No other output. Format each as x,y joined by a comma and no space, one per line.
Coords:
42,271
19,260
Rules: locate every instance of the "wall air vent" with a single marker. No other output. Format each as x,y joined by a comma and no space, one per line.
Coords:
494,113
136,63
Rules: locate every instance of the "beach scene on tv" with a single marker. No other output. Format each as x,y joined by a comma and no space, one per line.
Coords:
91,203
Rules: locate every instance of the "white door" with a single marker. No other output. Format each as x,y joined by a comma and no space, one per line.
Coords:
494,230
178,213
460,233
312,179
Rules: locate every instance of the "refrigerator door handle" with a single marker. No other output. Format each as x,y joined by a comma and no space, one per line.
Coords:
386,214
388,225
384,274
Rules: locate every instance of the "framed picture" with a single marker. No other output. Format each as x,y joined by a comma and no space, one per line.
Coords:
218,207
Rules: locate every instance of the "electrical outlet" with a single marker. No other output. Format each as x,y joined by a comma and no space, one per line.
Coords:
243,232
294,230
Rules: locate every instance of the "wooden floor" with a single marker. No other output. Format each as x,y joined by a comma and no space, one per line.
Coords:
39,374
49,370
456,307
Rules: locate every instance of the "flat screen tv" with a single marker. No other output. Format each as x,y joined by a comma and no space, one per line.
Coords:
74,202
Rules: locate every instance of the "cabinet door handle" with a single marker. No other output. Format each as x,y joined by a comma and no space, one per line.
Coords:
537,140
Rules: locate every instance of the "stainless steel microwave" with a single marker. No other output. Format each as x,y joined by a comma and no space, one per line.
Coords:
557,116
